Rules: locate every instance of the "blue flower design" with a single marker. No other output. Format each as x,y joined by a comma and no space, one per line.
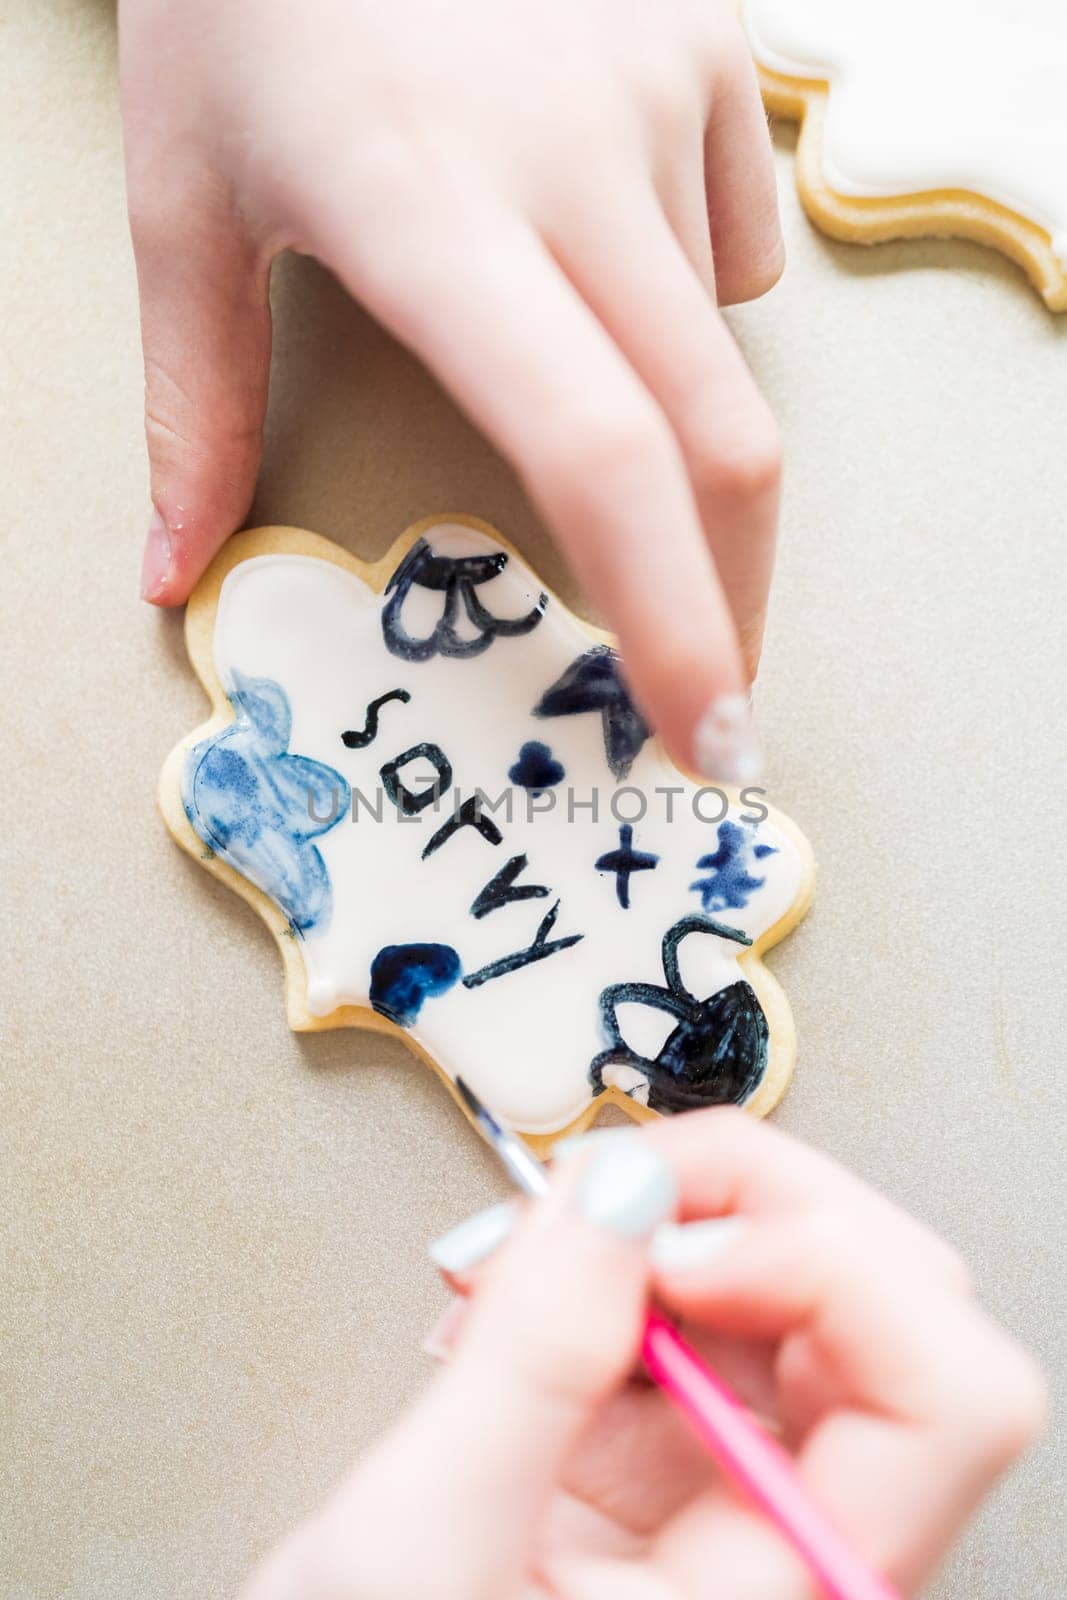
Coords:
536,768
259,807
730,885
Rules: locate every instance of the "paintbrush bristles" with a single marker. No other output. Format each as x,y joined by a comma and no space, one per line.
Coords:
520,1163
478,1111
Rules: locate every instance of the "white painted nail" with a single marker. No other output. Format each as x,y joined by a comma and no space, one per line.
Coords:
688,1246
578,1144
725,745
627,1187
472,1240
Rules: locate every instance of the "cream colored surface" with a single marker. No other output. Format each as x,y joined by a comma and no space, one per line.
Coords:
213,1275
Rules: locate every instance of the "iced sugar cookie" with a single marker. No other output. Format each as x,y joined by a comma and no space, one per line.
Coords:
927,117
428,778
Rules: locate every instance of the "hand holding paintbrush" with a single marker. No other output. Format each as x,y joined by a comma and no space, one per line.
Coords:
534,1465
744,1450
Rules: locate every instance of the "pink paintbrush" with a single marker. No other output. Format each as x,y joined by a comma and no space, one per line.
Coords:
744,1450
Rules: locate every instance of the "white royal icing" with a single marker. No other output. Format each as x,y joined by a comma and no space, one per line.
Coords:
525,1039
934,94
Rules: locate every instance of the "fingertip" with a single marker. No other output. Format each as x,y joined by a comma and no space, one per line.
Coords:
675,673
741,185
699,1267
679,1249
206,332
171,566
626,1186
157,563
702,709
440,1342
470,1242
182,540
739,280
565,1299
725,745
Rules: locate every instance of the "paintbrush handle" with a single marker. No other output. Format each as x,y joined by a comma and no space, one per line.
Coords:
756,1464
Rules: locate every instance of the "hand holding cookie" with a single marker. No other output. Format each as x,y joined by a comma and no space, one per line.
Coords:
546,203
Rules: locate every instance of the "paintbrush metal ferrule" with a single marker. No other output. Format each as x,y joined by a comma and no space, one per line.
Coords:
522,1166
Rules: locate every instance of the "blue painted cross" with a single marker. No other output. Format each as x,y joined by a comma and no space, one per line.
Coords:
625,860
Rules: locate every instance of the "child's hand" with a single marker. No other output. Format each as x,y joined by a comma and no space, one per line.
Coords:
521,192
534,1465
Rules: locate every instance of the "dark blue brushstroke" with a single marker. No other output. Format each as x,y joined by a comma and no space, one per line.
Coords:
625,860
402,976
408,800
468,815
717,1052
730,884
360,738
259,808
536,768
541,948
501,889
457,578
593,682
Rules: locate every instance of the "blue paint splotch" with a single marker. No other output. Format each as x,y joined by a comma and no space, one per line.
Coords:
594,682
729,884
402,976
259,807
536,768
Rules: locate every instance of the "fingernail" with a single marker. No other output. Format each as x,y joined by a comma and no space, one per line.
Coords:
155,565
627,1186
439,1342
472,1240
725,745
576,1144
686,1246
